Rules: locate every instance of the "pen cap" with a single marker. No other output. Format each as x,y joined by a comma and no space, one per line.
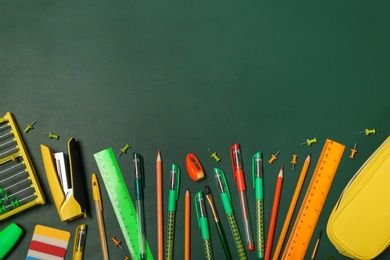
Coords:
257,167
139,167
79,239
139,175
96,190
224,190
8,238
235,154
221,181
238,170
174,184
201,214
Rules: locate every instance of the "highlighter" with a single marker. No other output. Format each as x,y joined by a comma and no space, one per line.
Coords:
8,238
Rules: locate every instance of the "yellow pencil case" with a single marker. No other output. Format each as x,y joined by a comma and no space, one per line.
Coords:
359,225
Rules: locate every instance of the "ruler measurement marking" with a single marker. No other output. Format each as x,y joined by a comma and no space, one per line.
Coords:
314,200
121,201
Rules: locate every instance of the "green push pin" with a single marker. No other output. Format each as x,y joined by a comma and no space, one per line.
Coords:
214,155
124,150
51,135
29,127
368,131
310,141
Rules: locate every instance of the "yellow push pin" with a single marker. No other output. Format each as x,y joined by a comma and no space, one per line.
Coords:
368,131
310,141
51,135
214,155
273,157
124,150
29,127
294,161
353,151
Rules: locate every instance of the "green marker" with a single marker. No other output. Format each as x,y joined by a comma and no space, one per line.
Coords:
8,238
172,198
257,178
226,201
201,214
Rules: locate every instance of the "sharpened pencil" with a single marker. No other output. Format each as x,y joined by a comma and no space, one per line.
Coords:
291,209
274,214
187,225
160,220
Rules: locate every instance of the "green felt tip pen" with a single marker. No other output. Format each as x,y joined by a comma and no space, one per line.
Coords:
139,185
8,238
201,214
174,184
257,177
226,201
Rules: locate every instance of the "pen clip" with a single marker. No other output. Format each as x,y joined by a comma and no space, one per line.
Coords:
257,167
220,176
198,198
139,168
79,239
175,173
235,155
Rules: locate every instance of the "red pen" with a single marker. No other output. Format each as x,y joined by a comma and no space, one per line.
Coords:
238,170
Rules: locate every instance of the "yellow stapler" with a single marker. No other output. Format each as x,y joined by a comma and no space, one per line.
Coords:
65,180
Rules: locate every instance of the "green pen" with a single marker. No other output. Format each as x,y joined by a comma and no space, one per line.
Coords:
221,233
139,185
257,178
201,214
172,198
226,201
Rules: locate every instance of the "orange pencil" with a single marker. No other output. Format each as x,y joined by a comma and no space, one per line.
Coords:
160,220
291,209
187,225
274,214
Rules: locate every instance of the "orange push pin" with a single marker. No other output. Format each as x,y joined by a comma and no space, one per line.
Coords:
294,161
116,242
353,151
273,157
127,258
368,131
310,141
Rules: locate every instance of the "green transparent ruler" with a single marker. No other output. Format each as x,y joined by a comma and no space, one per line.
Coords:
121,201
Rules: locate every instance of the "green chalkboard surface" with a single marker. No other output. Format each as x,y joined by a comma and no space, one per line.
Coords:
185,76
